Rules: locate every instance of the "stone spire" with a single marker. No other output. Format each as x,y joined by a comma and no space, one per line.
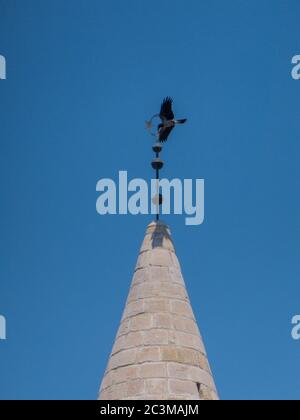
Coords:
158,352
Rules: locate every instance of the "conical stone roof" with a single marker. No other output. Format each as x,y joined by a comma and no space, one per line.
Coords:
158,351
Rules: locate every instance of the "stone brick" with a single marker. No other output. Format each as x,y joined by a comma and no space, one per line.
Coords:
134,388
119,344
153,370
189,340
177,386
162,320
185,325
148,290
156,336
160,274
140,276
188,356
124,327
183,308
172,336
140,322
134,308
115,392
191,326
201,376
123,358
207,394
174,291
160,257
192,373
175,261
147,243
133,339
169,353
178,371
193,357
133,294
158,387
124,374
148,354
157,305
176,275
143,260
107,381
203,362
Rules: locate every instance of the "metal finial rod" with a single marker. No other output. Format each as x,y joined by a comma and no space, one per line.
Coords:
157,191
157,164
161,132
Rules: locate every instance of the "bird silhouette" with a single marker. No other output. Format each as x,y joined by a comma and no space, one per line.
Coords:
168,120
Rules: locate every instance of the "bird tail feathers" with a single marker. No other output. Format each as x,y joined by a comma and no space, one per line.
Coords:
182,121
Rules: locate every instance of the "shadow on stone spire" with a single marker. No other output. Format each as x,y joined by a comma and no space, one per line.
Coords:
160,234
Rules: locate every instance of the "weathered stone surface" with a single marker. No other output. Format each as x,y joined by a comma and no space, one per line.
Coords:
207,394
135,387
160,257
184,339
176,275
141,322
123,374
183,308
140,276
158,353
162,320
153,370
148,354
157,305
160,274
157,387
124,327
156,336
115,392
123,358
189,388
185,325
133,308
133,339
192,373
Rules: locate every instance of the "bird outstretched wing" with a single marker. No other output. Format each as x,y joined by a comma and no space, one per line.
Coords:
164,133
166,113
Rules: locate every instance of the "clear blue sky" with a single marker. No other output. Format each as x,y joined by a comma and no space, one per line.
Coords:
82,78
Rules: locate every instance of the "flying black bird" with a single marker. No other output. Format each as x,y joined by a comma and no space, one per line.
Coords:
167,117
